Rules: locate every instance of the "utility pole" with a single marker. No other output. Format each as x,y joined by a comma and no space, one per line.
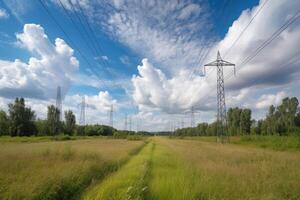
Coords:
221,105
59,102
82,111
111,116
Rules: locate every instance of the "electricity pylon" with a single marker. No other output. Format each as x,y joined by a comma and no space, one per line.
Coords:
82,111
221,107
59,102
125,122
192,117
111,116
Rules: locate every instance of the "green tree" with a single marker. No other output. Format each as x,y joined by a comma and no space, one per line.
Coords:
245,121
4,124
21,119
53,122
42,127
70,122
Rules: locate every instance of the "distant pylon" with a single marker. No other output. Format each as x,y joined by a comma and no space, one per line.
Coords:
111,116
82,111
221,107
125,122
192,117
130,123
59,102
137,124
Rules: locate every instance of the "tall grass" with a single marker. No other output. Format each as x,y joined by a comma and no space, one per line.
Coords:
127,183
279,143
218,171
58,170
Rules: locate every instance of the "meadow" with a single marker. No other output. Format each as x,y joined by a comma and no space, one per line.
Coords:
158,168
38,168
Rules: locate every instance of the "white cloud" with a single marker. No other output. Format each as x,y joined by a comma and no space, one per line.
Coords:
3,14
153,89
54,66
267,100
104,57
277,65
125,60
188,10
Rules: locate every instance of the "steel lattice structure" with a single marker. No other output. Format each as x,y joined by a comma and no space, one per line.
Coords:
59,102
221,105
82,111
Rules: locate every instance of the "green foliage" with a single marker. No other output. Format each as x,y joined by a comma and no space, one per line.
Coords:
53,122
281,143
97,130
4,123
70,122
281,120
21,119
42,127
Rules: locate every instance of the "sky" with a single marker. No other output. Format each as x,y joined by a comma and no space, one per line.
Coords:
146,57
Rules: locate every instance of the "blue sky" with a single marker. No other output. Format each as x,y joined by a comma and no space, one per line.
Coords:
168,40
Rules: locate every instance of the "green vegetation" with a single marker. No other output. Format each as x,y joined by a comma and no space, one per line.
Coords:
21,121
58,170
192,169
282,120
128,183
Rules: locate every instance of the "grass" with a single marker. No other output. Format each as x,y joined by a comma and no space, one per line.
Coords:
216,171
278,143
58,170
128,183
163,169
281,143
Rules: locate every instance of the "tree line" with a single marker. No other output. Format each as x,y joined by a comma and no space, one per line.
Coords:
281,120
21,120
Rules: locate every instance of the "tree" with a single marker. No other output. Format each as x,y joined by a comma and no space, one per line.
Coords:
4,124
70,122
21,119
42,127
245,121
53,122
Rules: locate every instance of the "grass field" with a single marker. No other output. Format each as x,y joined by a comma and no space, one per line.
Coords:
57,170
163,169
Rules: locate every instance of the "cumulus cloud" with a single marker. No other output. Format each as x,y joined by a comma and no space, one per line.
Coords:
277,65
267,100
153,89
54,65
3,14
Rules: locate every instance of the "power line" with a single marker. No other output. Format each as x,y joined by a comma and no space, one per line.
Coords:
93,34
69,39
245,28
263,45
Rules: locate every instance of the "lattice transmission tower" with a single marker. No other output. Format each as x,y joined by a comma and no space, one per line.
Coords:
59,102
192,117
221,105
82,111
125,122
111,115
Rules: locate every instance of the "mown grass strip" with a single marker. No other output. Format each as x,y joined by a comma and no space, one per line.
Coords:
127,183
170,178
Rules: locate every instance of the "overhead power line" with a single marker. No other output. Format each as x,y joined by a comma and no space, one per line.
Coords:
69,38
262,46
245,28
